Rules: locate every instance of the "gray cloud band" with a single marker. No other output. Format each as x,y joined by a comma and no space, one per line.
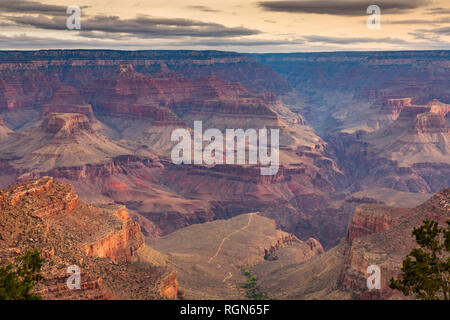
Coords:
141,26
32,7
343,7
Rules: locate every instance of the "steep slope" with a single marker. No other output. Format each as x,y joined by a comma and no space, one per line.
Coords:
4,130
62,140
102,241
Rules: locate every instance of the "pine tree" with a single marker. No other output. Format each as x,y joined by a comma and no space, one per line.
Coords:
16,282
426,269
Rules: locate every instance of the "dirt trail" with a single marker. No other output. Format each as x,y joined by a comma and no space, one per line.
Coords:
230,235
228,277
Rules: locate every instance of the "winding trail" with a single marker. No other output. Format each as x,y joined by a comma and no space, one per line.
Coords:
230,235
228,277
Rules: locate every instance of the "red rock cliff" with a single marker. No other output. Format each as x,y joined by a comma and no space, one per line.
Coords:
121,244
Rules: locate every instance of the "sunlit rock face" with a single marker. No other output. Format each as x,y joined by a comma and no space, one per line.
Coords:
103,241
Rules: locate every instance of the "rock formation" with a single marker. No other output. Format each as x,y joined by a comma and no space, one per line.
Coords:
430,122
103,241
395,106
382,236
67,100
61,140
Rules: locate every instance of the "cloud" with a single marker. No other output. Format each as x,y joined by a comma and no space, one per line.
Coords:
341,7
32,7
420,35
142,26
438,11
345,40
203,8
431,34
420,21
445,31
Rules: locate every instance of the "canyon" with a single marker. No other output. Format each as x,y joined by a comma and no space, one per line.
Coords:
361,135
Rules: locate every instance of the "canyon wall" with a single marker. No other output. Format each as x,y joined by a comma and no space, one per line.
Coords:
102,241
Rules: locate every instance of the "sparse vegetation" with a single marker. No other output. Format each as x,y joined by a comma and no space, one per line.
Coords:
253,292
16,282
426,269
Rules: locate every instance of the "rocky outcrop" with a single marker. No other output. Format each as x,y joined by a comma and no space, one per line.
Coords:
410,112
90,288
270,253
36,197
314,247
430,122
25,193
395,105
85,110
153,85
67,124
380,235
372,218
102,241
118,245
438,107
168,286
67,100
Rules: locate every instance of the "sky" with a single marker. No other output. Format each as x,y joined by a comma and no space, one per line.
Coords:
229,25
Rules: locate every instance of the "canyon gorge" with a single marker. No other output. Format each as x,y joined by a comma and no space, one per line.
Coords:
86,172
